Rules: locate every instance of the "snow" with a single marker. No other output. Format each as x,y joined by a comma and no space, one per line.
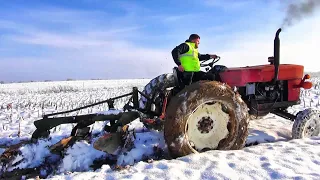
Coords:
269,129
296,159
36,151
111,111
79,157
276,157
144,144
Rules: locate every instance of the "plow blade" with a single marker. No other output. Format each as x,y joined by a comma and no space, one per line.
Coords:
44,125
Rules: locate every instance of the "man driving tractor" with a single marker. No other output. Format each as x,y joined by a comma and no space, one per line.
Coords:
187,57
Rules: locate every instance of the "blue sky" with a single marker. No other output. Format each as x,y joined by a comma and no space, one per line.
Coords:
83,39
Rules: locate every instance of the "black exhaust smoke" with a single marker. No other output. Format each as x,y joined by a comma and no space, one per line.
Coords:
276,55
298,10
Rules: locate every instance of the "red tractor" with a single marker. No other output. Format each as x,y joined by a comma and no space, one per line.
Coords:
215,114
197,116
207,114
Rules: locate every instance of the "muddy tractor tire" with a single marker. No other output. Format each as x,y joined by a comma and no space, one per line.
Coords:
306,124
154,87
207,115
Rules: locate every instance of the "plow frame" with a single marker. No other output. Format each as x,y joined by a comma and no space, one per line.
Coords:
44,125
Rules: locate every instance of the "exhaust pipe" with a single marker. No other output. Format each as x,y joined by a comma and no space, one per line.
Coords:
276,55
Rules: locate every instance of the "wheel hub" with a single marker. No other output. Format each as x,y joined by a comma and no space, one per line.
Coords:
312,128
205,125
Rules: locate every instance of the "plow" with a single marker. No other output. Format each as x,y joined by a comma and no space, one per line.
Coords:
210,114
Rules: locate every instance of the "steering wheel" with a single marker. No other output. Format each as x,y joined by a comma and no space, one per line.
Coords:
202,64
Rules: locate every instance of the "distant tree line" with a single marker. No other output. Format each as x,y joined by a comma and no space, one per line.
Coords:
47,80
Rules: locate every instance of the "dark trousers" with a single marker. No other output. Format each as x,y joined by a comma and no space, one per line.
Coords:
190,77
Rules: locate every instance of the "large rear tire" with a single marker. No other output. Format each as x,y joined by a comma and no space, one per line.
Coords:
154,87
207,115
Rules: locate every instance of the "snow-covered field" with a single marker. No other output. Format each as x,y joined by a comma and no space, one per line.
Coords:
277,157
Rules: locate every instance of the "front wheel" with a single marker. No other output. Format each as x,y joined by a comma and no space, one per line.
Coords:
206,115
306,124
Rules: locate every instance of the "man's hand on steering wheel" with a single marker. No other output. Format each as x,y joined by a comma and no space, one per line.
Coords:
213,56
